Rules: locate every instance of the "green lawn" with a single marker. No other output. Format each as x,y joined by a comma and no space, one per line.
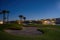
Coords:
7,26
51,32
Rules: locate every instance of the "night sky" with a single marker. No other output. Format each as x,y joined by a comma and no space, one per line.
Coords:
31,9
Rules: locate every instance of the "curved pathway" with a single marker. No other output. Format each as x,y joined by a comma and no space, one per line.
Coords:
25,31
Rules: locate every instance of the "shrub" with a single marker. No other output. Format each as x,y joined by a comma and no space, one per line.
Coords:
40,30
10,26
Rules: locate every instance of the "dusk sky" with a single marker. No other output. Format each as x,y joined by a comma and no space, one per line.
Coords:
31,9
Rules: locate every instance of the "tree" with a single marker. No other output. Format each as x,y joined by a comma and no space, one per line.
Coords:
24,18
7,16
4,12
21,18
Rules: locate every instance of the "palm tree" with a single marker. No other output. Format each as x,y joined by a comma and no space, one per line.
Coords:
24,18
21,18
7,16
4,12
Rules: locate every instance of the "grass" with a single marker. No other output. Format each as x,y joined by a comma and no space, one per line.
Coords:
51,32
8,26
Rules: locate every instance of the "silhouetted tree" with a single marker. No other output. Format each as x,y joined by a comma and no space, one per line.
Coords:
8,16
4,12
24,18
21,18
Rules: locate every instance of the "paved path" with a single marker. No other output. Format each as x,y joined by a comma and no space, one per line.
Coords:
25,31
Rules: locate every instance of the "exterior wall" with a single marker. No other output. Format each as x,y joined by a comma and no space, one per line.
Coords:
48,21
19,21
57,20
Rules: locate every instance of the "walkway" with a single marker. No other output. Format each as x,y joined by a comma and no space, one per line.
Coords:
26,31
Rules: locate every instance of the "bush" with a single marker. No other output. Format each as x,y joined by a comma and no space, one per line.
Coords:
40,30
10,26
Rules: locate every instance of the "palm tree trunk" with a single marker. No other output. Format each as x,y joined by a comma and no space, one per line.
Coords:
4,18
7,17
